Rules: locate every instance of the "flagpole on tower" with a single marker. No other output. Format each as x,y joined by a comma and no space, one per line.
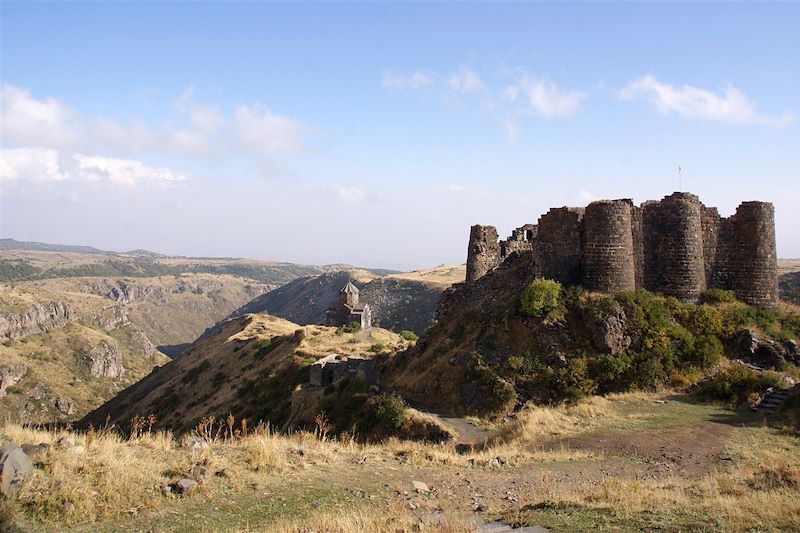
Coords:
680,179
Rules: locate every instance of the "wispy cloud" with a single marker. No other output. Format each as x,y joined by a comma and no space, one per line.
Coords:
200,131
732,105
515,96
349,194
48,164
544,98
27,120
413,81
465,81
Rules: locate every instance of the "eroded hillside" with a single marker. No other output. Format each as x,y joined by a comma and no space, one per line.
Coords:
404,301
248,368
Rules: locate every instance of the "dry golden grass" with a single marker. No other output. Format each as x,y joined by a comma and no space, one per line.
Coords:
444,275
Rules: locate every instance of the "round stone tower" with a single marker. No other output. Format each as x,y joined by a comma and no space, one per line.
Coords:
679,247
608,257
753,258
483,252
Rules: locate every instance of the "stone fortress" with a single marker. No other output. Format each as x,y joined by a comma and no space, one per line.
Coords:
676,246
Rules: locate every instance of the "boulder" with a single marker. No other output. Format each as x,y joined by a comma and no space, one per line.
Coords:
65,405
199,473
608,333
10,376
36,452
757,349
184,486
15,469
419,486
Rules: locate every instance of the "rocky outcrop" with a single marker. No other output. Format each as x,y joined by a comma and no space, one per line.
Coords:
10,376
124,292
15,469
39,318
109,318
608,333
65,405
757,349
105,361
140,344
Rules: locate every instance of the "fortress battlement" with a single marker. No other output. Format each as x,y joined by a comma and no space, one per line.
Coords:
676,246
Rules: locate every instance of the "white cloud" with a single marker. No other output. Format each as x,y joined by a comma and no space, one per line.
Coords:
199,131
544,98
48,164
466,81
585,197
349,195
261,130
414,81
696,103
27,120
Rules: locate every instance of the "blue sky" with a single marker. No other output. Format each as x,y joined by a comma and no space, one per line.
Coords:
376,134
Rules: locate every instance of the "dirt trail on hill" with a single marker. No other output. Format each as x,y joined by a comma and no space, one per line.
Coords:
466,432
689,450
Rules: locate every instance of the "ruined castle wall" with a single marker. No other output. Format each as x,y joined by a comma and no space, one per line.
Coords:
637,238
674,234
483,253
559,245
722,275
522,239
754,260
711,222
608,252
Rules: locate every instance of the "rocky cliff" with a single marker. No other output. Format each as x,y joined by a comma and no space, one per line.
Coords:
38,318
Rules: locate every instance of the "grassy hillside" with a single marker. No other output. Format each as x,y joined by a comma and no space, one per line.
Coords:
627,462
248,368
130,316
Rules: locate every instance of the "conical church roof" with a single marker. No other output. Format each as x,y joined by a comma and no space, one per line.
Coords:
350,288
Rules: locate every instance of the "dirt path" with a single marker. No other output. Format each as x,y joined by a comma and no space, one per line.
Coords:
466,432
690,450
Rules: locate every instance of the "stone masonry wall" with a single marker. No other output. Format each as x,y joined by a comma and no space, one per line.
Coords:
608,254
484,251
559,245
754,260
522,239
676,246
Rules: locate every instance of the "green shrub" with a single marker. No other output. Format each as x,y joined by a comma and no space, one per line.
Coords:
384,413
515,362
612,372
707,351
409,335
705,320
352,327
377,347
572,382
743,316
737,385
542,299
717,296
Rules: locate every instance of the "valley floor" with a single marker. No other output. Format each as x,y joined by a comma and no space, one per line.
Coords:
622,463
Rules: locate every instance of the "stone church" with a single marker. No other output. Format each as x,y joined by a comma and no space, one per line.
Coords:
349,309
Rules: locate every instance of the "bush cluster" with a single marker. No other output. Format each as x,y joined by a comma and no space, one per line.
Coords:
542,299
737,386
350,405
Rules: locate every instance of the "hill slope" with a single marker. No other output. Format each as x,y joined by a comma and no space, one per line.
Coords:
249,368
404,301
486,355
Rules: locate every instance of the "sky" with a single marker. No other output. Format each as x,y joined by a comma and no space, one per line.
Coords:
375,134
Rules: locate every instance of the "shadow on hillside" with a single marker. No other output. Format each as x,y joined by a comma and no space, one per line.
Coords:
173,350
732,417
